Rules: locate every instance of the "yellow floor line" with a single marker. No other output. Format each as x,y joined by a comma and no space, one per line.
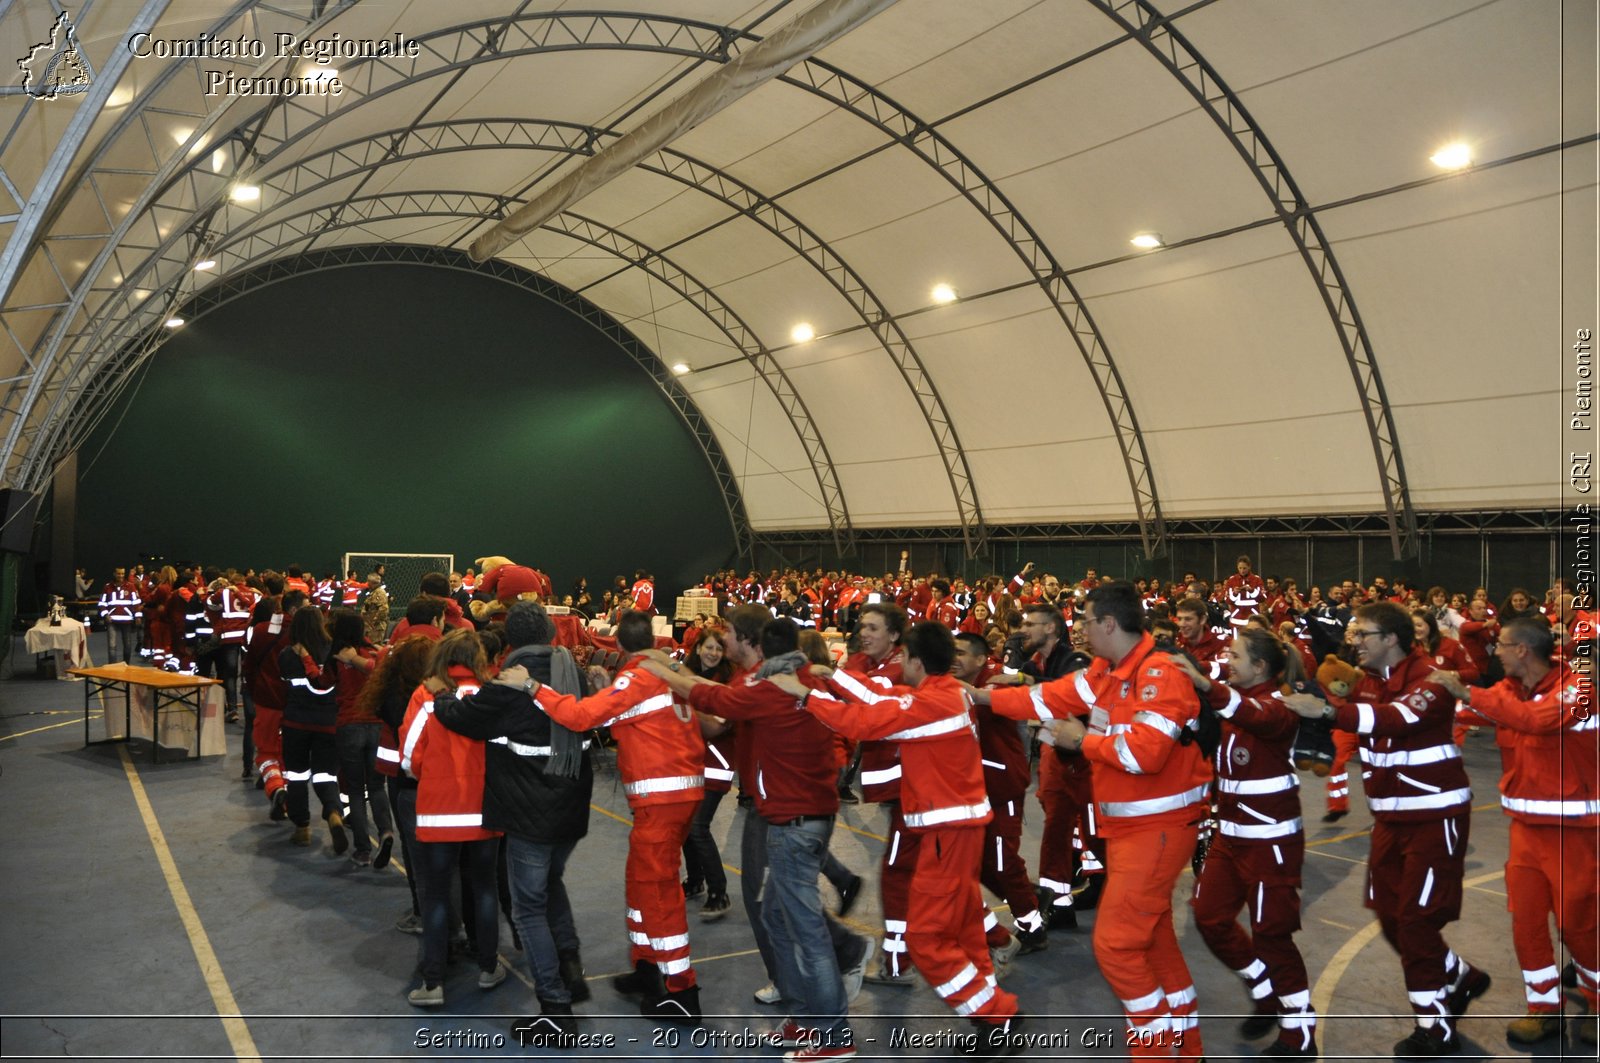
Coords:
244,1046
48,727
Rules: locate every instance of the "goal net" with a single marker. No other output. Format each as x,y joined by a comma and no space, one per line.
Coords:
402,573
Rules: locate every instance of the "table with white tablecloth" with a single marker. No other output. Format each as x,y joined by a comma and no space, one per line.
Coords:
67,638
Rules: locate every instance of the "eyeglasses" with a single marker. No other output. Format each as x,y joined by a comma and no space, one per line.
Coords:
1368,634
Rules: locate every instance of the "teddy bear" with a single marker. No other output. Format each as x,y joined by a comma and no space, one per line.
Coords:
1313,744
503,582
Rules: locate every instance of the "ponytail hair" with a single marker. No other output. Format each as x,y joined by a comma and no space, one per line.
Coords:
1282,662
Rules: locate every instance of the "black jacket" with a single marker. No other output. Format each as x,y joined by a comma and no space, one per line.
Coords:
518,797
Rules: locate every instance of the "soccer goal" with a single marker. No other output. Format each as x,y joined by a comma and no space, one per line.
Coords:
402,573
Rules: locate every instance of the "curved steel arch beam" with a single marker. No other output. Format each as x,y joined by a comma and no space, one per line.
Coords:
479,43
233,287
455,48
1141,20
934,148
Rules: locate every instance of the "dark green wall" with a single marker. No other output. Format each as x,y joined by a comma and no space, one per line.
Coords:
400,408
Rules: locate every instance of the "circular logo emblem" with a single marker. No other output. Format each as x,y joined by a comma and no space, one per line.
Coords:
1241,756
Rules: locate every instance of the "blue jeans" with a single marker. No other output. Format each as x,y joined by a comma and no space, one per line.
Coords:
540,911
438,864
791,909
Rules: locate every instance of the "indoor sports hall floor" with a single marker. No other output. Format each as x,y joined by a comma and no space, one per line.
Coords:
153,912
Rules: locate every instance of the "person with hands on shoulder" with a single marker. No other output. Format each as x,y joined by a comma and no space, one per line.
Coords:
942,798
1255,857
1545,723
310,722
1421,807
661,758
1151,792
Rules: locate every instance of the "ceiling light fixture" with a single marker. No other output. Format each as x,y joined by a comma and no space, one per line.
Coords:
1148,241
182,135
245,193
802,333
205,264
174,322
681,367
1457,156
943,293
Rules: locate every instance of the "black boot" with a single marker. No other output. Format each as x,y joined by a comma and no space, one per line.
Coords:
554,1027
1262,1022
996,1040
644,981
572,977
678,1006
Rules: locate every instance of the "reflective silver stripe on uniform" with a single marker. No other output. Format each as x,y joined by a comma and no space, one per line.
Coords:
1080,683
1153,805
1410,757
962,977
1366,718
1276,784
880,776
1405,804
669,967
1532,807
1234,701
1040,709
1261,830
323,776
390,755
298,776
636,937
951,814
413,733
859,690
719,774
1130,763
453,819
938,727
663,784
1432,789
667,944
1532,979
996,765
521,750
651,704
1159,722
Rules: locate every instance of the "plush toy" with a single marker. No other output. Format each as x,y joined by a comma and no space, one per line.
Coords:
1313,744
502,583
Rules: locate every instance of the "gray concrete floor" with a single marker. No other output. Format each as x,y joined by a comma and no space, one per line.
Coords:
292,953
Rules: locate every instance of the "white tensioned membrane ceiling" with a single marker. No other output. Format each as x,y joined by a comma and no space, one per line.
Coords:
1232,390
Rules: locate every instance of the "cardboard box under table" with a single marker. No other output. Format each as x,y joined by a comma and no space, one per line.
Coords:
175,710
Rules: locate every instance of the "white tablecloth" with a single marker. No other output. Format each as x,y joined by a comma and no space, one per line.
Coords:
70,638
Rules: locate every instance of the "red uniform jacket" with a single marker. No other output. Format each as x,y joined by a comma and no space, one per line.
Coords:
260,667
1244,595
787,760
1413,769
448,768
1144,778
230,614
120,602
1257,791
660,753
942,785
880,761
1006,773
1549,747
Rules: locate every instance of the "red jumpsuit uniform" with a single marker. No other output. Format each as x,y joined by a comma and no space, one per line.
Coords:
1550,787
1421,808
942,799
263,644
1066,793
661,757
880,781
1255,857
1151,793
1006,776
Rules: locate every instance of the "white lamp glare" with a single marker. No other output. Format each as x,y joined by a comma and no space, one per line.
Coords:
680,367
943,293
1457,156
802,333
1147,241
245,193
174,322
205,264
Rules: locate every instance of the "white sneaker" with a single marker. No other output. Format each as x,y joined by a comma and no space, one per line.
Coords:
1003,955
490,979
768,994
427,996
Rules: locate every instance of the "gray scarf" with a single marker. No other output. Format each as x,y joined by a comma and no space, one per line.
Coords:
783,664
566,757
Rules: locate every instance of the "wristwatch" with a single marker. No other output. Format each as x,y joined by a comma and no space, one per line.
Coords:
528,684
1328,712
